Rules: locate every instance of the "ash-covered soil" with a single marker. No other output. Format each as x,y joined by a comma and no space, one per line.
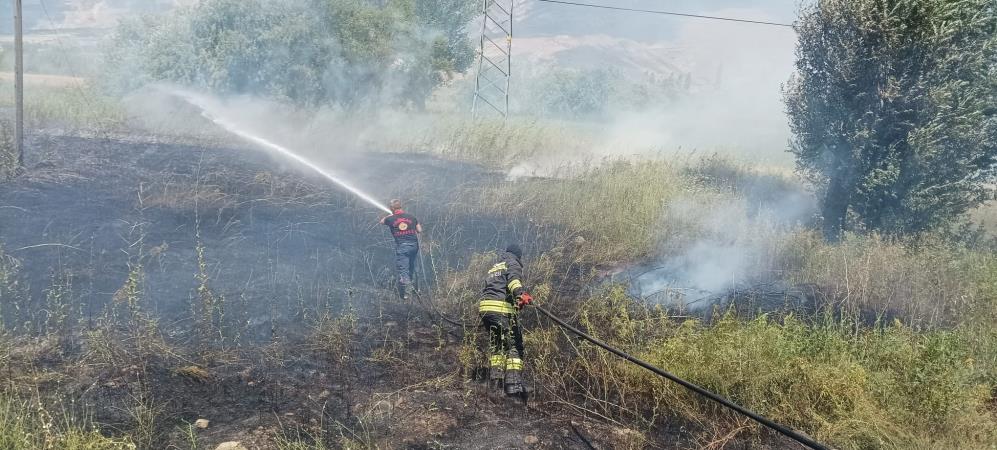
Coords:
271,234
279,248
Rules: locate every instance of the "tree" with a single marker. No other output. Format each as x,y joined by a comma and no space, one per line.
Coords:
310,52
892,108
574,94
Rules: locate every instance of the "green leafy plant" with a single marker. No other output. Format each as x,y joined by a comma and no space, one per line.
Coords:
893,110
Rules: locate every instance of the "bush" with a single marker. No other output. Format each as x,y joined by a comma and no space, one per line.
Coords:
926,282
557,93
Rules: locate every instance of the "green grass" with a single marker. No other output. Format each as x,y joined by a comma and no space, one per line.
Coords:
24,425
887,386
615,207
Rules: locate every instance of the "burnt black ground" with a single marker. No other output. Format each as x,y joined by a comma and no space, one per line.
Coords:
281,247
274,237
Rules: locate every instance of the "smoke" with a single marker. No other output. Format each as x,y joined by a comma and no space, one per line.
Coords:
723,80
102,13
732,105
723,243
737,101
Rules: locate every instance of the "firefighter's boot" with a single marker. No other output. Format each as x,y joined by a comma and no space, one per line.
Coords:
513,382
496,372
514,376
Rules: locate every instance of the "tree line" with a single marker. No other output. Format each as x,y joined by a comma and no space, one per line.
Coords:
892,105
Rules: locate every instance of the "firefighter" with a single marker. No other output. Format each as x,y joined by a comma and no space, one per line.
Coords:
502,298
405,228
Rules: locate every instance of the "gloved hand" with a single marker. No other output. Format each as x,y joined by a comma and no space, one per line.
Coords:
524,299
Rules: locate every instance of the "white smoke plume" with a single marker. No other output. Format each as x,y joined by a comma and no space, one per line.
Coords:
731,243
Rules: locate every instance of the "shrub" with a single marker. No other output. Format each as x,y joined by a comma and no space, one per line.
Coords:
853,387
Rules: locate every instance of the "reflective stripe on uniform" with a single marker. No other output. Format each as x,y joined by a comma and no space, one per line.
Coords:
496,306
498,361
515,284
514,364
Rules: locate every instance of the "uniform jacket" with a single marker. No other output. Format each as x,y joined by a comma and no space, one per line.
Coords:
504,280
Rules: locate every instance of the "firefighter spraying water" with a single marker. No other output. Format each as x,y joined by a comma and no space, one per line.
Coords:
405,228
502,297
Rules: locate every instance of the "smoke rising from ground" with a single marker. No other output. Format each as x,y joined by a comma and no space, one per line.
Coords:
729,242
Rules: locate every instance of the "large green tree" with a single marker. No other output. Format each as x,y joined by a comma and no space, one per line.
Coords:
311,52
892,108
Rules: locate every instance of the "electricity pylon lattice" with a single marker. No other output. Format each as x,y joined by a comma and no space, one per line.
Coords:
491,84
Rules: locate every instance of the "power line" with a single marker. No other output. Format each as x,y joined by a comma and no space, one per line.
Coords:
669,13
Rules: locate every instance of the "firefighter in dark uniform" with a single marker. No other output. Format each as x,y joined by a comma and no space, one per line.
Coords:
405,228
502,298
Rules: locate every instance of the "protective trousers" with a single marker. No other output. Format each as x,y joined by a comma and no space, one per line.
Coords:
505,350
405,256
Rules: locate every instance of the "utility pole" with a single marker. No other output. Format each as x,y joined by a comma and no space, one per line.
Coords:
18,85
491,83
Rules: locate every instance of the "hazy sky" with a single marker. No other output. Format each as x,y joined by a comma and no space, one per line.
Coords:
547,18
739,67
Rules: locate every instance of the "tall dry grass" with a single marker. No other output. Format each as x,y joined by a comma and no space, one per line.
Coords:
80,108
900,353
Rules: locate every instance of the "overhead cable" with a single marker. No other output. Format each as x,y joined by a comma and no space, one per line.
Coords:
669,13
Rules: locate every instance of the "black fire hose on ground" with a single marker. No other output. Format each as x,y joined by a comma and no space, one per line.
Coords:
784,430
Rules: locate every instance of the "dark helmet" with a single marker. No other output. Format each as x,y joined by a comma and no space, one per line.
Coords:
515,250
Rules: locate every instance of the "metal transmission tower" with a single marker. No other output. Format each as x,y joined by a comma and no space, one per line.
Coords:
491,84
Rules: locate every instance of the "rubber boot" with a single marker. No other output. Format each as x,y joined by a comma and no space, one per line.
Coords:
403,291
496,378
513,383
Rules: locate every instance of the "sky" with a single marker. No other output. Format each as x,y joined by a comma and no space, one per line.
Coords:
540,18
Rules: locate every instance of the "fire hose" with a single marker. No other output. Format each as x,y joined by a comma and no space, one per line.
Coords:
782,429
